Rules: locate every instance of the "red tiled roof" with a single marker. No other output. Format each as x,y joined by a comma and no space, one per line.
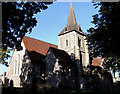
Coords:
34,45
97,61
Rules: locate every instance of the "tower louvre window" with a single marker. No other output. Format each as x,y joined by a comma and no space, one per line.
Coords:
66,42
79,42
65,28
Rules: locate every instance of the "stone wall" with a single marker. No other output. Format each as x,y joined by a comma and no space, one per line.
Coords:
59,73
50,62
15,65
52,76
78,48
73,47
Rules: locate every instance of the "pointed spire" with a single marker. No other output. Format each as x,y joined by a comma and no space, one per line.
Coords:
71,23
71,17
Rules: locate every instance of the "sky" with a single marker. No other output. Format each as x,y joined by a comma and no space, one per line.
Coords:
53,20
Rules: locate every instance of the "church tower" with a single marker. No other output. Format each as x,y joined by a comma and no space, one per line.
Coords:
73,40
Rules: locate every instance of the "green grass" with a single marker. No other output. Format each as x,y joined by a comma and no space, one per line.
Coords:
46,90
7,90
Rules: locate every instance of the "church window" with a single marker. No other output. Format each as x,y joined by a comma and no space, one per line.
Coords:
67,43
18,63
65,28
79,42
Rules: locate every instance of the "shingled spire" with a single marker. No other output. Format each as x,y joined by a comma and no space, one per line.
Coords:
71,23
71,17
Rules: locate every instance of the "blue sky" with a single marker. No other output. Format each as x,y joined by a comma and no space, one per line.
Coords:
52,21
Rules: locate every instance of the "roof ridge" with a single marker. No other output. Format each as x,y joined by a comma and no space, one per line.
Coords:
32,44
40,40
58,49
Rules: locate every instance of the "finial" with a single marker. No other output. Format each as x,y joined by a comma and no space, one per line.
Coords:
70,4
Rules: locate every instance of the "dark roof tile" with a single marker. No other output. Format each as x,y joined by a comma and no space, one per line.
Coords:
61,55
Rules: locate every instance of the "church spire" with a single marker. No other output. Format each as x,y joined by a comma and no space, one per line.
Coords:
71,23
71,17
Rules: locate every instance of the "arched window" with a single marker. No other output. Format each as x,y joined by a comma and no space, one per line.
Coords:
66,42
18,63
79,42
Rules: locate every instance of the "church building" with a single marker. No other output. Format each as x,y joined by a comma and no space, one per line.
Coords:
46,63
